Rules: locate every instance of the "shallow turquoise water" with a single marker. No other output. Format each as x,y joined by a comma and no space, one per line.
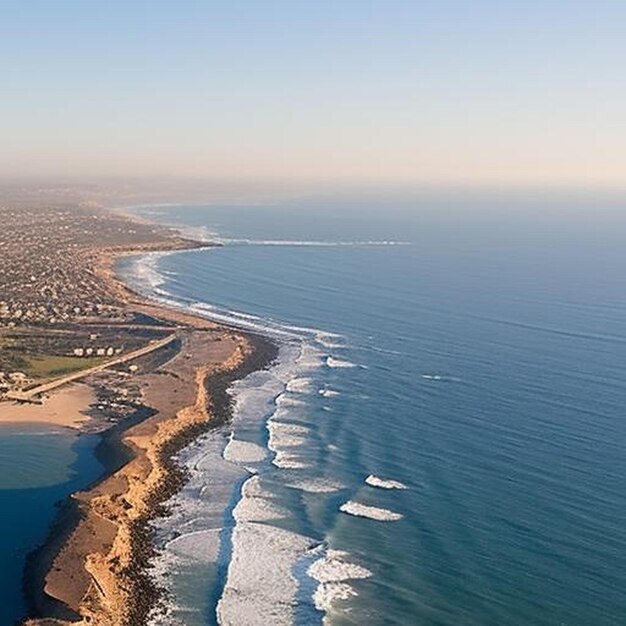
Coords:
490,379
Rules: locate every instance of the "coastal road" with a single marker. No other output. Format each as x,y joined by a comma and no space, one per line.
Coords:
28,395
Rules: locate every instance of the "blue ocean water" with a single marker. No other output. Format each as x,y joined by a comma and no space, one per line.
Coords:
477,357
39,467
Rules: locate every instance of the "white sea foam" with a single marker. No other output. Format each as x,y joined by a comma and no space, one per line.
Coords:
260,586
376,481
252,488
329,393
371,512
145,270
328,594
258,509
238,451
335,566
307,243
317,485
284,435
190,535
329,341
290,460
334,362
283,412
286,400
331,572
300,385
310,357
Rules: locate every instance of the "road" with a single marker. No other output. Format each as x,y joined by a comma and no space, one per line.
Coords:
29,394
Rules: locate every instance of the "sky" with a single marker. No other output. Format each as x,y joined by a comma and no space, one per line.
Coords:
391,91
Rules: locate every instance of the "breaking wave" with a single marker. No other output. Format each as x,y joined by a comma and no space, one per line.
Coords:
249,546
381,483
334,362
371,512
332,571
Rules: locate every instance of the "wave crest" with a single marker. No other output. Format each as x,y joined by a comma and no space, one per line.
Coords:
370,512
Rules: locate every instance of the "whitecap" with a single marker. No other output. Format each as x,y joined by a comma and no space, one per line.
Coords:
334,362
258,510
371,512
381,483
329,393
317,485
328,594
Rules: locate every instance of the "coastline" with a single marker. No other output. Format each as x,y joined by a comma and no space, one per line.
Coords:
92,568
66,407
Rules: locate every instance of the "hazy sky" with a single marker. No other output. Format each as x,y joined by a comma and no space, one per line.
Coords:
388,91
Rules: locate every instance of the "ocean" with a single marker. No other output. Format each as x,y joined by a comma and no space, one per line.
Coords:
442,438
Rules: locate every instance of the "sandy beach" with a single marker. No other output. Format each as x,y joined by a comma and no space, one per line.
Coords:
66,406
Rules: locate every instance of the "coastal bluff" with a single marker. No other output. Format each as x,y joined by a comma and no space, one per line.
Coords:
98,577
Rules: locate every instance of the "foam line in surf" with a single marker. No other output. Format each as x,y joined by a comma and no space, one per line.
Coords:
260,580
284,435
309,243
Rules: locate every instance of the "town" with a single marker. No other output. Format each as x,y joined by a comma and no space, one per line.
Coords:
59,315
47,272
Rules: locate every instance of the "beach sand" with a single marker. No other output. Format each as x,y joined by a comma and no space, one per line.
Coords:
66,406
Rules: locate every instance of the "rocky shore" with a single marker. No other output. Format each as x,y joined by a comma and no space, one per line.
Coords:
94,569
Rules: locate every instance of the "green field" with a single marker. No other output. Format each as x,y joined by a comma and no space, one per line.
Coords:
42,366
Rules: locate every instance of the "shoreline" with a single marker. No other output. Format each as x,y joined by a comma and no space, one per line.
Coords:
141,473
64,408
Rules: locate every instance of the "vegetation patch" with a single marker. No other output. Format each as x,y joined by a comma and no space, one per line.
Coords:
46,366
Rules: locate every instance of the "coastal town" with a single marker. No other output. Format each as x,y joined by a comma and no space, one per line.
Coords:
47,273
58,313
